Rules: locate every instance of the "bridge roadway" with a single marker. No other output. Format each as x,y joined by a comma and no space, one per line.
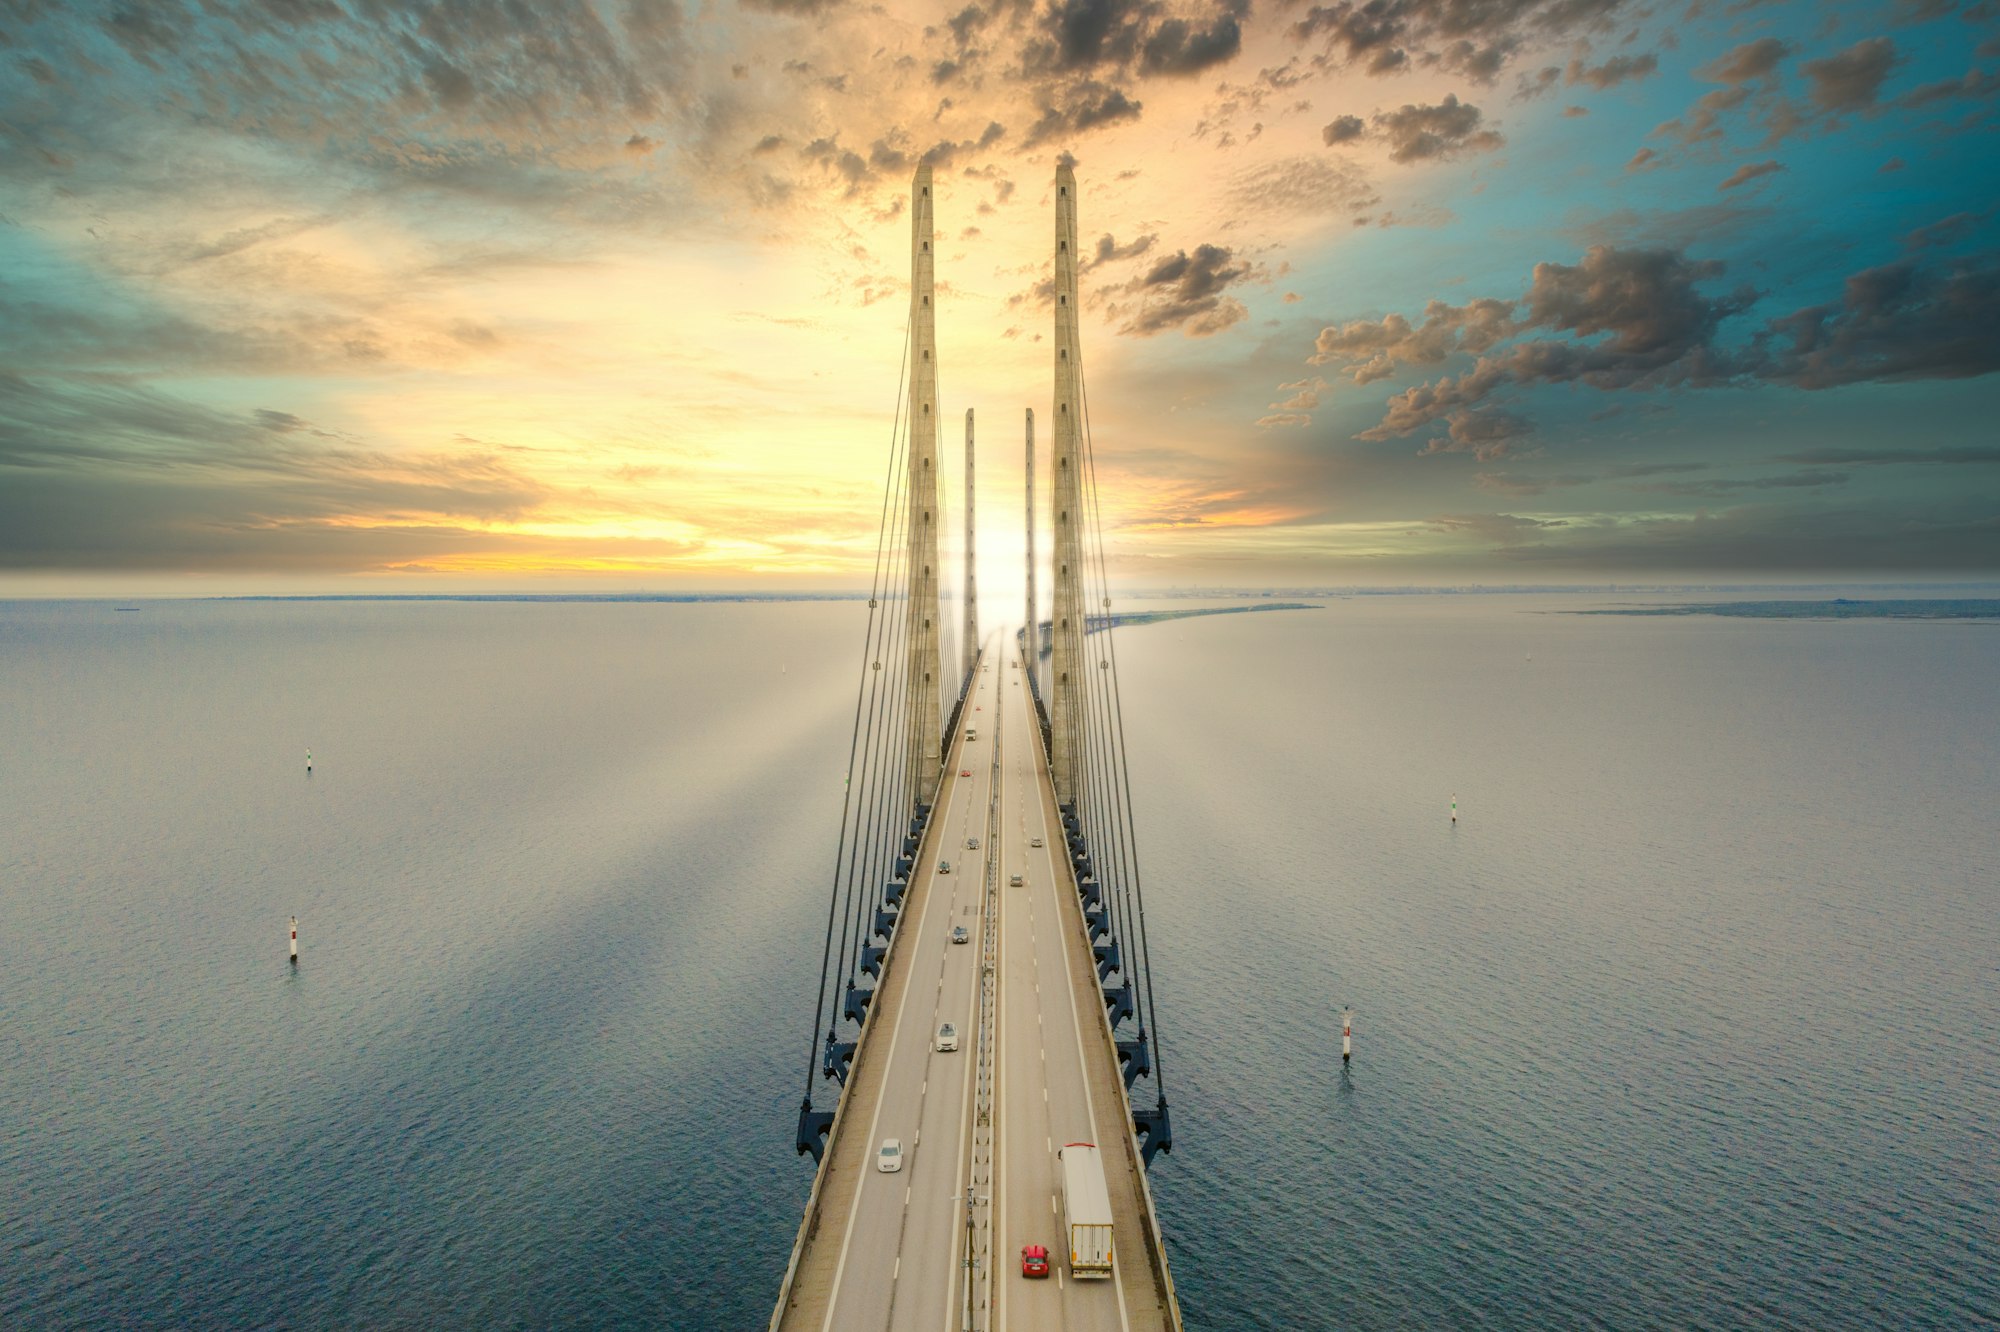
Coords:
886,1250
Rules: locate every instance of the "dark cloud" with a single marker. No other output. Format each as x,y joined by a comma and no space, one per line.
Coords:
1419,133
1851,80
1472,38
1343,129
1177,47
1109,250
1617,70
1077,109
1640,319
1901,321
1750,171
1188,292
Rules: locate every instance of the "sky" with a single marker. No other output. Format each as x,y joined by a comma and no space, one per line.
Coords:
354,295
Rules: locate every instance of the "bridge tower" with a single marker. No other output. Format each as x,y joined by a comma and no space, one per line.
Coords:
1031,640
971,652
1066,663
926,722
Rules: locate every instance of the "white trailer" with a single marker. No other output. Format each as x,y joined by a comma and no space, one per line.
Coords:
1086,1210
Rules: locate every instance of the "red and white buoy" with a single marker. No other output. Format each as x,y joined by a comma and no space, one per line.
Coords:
1346,1033
295,940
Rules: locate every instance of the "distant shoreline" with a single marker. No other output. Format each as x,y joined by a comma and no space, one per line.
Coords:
1839,608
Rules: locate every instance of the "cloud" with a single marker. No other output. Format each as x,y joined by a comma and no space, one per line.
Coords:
1746,63
1078,109
1914,537
1901,321
1419,133
1187,292
1375,350
1505,528
1177,47
1115,38
119,476
1110,251
1617,70
1634,318
1750,171
1485,434
1645,160
1343,129
1710,489
1311,187
1851,80
1472,38
1640,319
1963,456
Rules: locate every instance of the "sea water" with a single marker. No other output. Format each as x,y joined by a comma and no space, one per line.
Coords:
1690,1021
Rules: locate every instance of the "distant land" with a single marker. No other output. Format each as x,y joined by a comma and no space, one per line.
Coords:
1839,608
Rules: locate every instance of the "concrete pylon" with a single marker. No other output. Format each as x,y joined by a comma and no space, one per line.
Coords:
1066,663
926,723
1031,641
971,651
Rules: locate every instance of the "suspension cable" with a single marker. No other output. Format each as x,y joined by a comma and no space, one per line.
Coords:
881,536
1125,768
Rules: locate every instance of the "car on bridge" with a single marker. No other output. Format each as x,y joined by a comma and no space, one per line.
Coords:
947,1037
959,935
1034,841
890,1159
972,843
965,772
1034,1260
944,867
1014,882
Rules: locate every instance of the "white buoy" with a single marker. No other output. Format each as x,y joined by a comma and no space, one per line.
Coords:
1346,1034
295,940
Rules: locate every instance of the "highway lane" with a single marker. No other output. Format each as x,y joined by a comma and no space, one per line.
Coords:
900,1260
1042,1087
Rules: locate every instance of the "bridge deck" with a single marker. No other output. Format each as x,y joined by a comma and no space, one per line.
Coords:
883,1250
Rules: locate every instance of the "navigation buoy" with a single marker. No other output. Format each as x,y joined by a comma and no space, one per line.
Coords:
1346,1034
295,940
309,760
1454,808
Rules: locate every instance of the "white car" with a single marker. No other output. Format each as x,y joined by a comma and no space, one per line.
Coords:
947,1038
958,934
1034,841
890,1159
1014,882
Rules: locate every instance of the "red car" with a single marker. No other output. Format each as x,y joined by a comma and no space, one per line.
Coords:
965,772
1034,1260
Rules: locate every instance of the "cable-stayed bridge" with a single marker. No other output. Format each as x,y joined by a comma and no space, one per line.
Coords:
986,880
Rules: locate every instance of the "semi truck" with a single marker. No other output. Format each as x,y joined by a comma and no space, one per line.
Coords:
1086,1210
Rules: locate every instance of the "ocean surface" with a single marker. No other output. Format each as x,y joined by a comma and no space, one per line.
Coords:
1693,1020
